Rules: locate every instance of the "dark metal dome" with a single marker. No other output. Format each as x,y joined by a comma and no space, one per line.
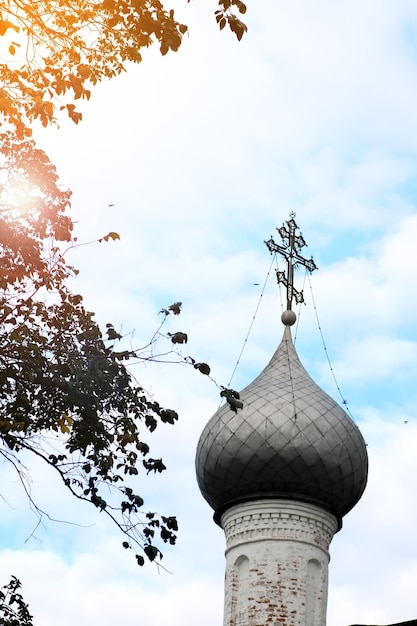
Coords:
290,440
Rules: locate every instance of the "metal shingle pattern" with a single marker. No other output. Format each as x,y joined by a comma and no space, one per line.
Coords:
290,440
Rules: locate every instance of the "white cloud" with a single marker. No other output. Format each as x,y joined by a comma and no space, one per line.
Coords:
203,153
376,358
373,558
95,590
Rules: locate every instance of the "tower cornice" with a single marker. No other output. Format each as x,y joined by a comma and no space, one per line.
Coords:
279,520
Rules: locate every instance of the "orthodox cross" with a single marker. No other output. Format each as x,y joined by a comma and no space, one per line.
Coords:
290,250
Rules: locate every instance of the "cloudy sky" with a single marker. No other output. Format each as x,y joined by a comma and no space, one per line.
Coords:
202,154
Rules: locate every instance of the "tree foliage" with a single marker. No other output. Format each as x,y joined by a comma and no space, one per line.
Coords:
226,14
66,395
13,609
55,51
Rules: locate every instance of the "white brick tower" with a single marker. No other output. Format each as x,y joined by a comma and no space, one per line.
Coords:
276,563
280,474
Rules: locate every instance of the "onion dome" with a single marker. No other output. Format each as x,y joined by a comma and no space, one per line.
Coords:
290,440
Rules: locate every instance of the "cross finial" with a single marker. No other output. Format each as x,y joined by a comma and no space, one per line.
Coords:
290,250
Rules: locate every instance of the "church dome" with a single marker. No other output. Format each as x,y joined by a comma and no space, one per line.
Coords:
290,440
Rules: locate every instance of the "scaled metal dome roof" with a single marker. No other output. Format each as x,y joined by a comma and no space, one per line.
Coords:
290,440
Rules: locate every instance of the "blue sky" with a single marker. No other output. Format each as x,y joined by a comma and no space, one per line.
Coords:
203,153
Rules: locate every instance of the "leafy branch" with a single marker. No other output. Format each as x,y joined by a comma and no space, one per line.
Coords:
59,51
225,15
13,609
68,396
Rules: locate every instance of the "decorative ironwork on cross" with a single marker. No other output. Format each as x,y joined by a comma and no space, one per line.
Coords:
290,250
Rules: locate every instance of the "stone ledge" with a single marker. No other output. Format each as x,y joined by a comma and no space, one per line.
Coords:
278,520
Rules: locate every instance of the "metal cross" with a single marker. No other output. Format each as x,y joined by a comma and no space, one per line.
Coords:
290,250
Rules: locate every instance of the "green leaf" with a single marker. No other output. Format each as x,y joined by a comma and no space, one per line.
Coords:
235,404
151,552
236,26
175,308
178,337
204,368
112,333
5,25
154,465
232,398
240,5
168,416
112,235
171,522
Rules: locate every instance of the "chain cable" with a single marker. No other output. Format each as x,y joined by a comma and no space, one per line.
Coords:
344,401
252,322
